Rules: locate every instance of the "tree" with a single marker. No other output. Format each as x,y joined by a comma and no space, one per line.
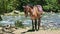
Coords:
51,5
8,5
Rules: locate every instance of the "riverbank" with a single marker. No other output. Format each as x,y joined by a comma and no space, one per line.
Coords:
24,31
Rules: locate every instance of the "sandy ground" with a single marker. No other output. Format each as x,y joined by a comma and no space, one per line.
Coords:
41,31
24,31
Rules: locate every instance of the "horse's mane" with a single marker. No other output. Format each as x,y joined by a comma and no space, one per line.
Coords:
31,7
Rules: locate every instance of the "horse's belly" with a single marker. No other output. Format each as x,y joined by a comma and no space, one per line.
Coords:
33,17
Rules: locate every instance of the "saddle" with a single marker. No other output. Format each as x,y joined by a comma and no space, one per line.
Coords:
39,8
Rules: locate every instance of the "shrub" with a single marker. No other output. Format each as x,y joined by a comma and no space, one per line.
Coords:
19,24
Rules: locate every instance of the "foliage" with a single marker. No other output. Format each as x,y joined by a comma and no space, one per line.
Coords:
52,5
0,18
19,24
9,5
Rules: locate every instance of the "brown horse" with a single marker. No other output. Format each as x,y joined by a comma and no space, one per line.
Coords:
35,12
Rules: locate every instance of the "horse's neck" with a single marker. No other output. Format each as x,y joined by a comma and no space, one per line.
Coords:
30,11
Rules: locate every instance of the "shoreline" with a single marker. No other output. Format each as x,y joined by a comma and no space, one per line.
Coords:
24,31
41,31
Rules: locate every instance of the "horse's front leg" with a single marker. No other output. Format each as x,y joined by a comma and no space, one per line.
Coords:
32,25
39,21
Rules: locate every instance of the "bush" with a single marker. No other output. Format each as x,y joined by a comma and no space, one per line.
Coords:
19,24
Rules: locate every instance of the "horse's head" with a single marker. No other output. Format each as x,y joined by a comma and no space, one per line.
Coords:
27,9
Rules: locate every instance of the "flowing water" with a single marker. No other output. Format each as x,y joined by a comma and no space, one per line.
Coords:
48,20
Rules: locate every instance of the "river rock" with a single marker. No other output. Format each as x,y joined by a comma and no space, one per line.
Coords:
8,29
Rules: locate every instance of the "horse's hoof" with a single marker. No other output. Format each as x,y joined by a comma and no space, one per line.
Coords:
33,30
36,30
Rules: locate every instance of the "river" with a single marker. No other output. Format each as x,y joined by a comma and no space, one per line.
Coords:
48,20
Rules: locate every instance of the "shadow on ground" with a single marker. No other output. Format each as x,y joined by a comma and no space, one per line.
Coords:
28,31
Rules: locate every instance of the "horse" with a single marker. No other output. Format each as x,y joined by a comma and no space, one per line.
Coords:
35,13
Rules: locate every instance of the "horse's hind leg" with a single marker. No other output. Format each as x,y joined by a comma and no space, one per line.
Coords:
39,20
